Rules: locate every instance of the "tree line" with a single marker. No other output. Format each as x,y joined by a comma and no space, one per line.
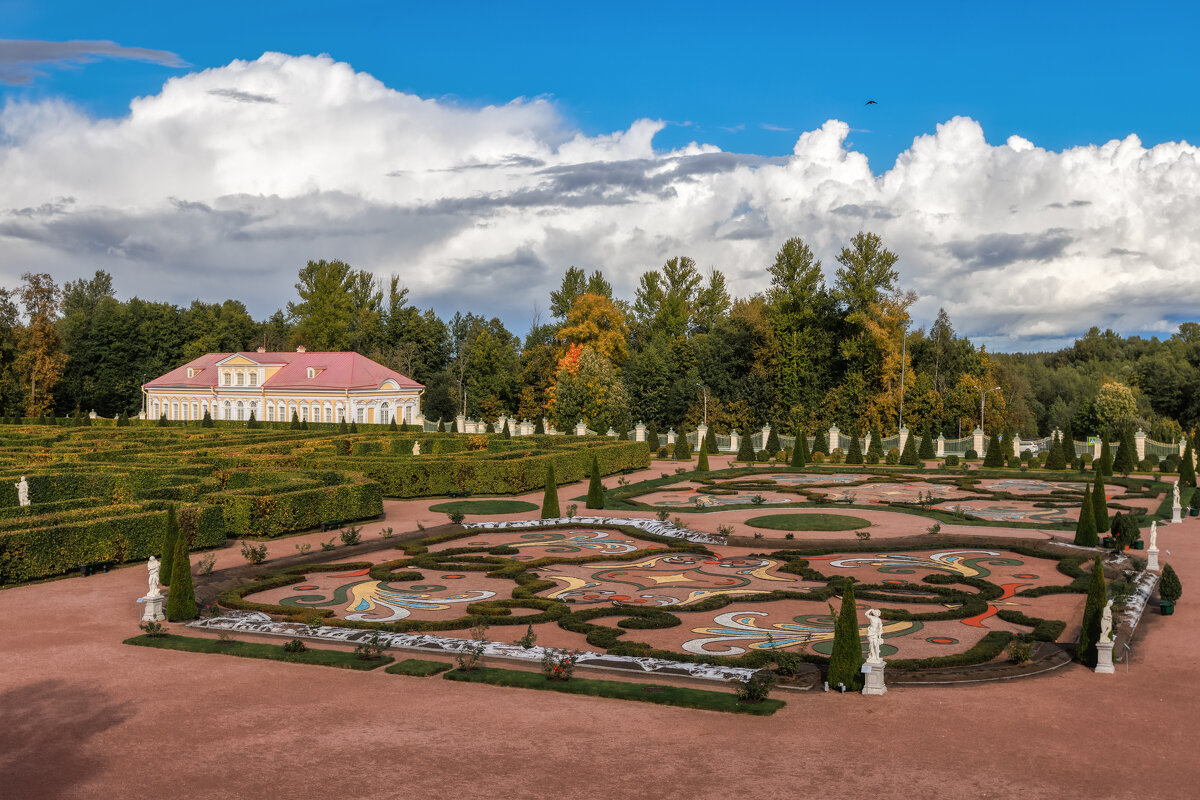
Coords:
801,355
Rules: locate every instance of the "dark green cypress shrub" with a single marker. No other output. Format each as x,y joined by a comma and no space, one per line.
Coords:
854,454
927,449
453,426
167,559
304,424
702,459
846,658
252,422
1106,460
746,450
1187,466
1093,609
875,449
550,498
595,495
994,457
295,421
181,600
1099,504
505,432
1124,531
821,442
392,426
908,456
710,441
207,422
342,426
683,451
353,426
800,451
1085,527
1169,587
540,428
123,419
652,438
1125,460
1056,458
772,446
162,421
441,426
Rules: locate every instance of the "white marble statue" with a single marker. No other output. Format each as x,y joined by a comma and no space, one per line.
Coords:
1153,535
874,635
22,491
417,447
1106,623
1174,494
153,566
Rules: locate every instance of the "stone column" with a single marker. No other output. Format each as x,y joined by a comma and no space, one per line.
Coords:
581,428
834,440
1139,442
735,441
639,432
941,446
701,434
1182,445
670,437
526,428
766,434
866,442
903,438
1016,445
611,433
977,441
461,423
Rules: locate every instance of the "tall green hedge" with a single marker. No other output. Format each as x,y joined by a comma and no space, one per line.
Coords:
274,513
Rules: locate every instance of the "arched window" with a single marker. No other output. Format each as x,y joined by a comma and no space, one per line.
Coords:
254,409
227,411
195,410
328,413
254,379
270,413
385,414
341,413
360,414
241,411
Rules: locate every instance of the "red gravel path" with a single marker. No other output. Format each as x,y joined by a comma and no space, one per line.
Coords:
83,716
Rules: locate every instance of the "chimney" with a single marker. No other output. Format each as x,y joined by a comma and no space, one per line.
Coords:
300,349
261,350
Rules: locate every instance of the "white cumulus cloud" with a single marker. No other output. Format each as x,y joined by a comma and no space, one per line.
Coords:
229,179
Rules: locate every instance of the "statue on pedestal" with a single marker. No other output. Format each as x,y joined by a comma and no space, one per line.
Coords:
22,491
417,447
1153,535
1174,494
874,635
1106,623
153,566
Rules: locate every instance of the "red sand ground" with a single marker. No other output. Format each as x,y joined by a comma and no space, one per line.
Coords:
82,715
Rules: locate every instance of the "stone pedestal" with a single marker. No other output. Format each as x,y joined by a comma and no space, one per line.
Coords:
873,673
1104,663
153,611
1152,559
1176,513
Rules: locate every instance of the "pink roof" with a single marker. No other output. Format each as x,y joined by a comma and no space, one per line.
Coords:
338,371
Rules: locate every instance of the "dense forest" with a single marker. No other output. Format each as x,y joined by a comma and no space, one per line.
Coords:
805,353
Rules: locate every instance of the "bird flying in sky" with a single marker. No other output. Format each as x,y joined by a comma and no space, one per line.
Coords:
871,103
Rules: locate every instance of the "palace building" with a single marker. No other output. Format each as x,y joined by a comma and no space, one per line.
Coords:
318,387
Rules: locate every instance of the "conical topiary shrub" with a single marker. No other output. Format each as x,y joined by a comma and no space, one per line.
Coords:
595,495
181,600
1169,587
800,451
652,438
927,450
1093,609
702,459
207,421
540,428
1106,461
772,446
1057,458
994,457
550,499
441,426
821,443
1125,461
1068,443
875,448
1099,504
683,451
505,432
1085,527
746,450
710,441
908,456
392,426
1187,466
854,454
846,658
295,421
167,559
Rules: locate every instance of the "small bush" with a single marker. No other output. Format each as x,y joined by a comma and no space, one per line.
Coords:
371,648
529,639
756,688
572,509
558,665
662,514
456,517
893,456
971,455
1020,651
295,646
1169,587
951,460
351,535
468,657
725,530
327,546
207,562
255,554
863,535
934,529
152,628
304,548
386,533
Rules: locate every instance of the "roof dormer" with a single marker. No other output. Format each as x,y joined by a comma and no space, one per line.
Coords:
194,371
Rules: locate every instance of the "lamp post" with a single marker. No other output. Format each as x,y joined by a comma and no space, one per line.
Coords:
705,390
982,395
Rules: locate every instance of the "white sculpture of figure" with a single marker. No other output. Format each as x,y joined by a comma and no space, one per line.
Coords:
1176,515
1106,623
153,566
1153,535
874,635
1104,645
22,491
417,447
1174,493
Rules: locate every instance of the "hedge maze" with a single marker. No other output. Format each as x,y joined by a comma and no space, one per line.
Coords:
100,494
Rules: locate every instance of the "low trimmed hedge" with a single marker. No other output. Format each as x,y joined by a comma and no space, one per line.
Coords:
273,652
418,667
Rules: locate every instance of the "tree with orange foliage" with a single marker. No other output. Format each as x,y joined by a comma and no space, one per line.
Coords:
40,360
595,321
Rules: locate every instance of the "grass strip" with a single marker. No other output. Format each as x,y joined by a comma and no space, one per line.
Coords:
417,667
619,690
808,522
484,506
273,652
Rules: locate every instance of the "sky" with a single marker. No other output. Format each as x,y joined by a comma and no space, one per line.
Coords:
1030,163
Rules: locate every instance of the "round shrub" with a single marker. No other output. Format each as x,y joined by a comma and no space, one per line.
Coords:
662,452
951,460
763,456
893,456
971,455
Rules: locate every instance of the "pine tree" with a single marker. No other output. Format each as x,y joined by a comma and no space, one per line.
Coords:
181,600
1125,461
995,452
772,446
854,455
702,459
800,451
710,441
167,559
846,658
1093,609
1106,460
927,450
821,443
875,449
1187,466
1085,528
908,456
595,495
1099,504
746,450
295,421
550,499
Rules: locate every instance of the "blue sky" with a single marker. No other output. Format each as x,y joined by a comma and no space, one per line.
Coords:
1059,74
1028,162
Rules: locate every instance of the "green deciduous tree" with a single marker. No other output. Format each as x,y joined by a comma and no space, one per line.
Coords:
324,315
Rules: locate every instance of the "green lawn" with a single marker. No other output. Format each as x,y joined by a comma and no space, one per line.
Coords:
808,522
619,690
484,506
417,667
274,652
